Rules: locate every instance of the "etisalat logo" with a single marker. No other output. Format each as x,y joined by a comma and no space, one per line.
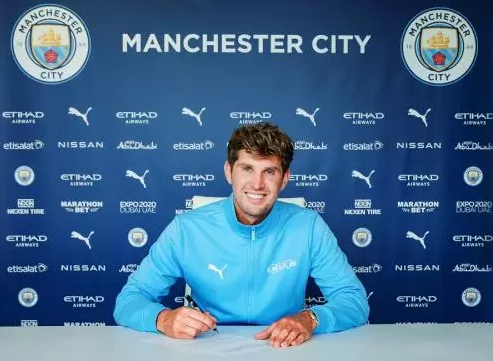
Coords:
246,118
136,145
309,145
366,179
81,179
473,176
417,301
418,207
193,180
439,46
473,206
205,145
81,206
28,117
132,207
373,268
50,44
24,175
26,240
474,118
34,145
362,207
78,114
188,207
141,178
308,180
472,240
136,118
191,113
309,116
25,207
364,118
376,145
83,301
418,180
137,237
35,268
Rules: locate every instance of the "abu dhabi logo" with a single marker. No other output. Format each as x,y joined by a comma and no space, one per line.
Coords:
414,236
131,174
24,175
416,114
80,237
83,116
50,44
198,116
304,113
212,267
357,174
27,297
439,46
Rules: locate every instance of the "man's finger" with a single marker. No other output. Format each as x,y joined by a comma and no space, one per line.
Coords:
290,338
299,340
278,336
203,318
265,334
189,331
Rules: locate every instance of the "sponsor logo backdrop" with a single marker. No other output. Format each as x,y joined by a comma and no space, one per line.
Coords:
112,118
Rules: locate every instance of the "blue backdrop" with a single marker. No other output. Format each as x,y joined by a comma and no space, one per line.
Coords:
113,115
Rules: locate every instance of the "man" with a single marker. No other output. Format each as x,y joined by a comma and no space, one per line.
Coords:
247,258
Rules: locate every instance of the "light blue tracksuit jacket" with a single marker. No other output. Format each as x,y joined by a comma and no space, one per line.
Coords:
246,274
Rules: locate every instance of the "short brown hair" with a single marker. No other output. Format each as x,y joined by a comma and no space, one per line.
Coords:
263,139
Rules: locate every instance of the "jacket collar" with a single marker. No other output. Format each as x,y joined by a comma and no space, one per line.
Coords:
247,231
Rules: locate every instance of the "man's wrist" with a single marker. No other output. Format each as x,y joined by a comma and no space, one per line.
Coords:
160,320
312,318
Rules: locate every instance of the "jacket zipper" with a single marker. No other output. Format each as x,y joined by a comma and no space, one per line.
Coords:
250,270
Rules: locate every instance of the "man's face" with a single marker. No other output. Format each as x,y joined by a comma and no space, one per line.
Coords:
257,181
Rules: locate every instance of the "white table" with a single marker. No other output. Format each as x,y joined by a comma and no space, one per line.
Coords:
367,343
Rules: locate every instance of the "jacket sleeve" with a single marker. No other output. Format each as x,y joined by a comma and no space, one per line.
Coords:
347,305
138,304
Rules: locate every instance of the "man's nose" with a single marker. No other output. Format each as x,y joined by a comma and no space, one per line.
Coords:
258,180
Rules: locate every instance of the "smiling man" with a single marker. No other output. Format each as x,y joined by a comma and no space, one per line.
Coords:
247,258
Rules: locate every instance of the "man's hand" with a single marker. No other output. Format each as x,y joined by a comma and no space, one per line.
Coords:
289,331
184,323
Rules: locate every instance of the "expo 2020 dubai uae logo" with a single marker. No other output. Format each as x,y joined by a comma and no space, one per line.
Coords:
50,44
439,46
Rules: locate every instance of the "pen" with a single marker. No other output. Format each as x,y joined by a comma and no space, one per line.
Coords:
194,304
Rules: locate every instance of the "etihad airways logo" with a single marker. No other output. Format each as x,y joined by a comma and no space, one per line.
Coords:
376,145
308,180
83,301
364,118
23,117
26,240
193,180
205,145
34,145
418,180
81,179
136,118
416,301
473,240
246,118
474,119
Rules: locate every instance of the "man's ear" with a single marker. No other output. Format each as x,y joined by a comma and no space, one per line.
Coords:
285,179
227,172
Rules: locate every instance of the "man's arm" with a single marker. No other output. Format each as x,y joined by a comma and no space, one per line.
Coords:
138,304
347,305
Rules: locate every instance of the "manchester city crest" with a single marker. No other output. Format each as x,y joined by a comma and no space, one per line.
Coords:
137,237
27,297
471,297
439,46
50,44
362,237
